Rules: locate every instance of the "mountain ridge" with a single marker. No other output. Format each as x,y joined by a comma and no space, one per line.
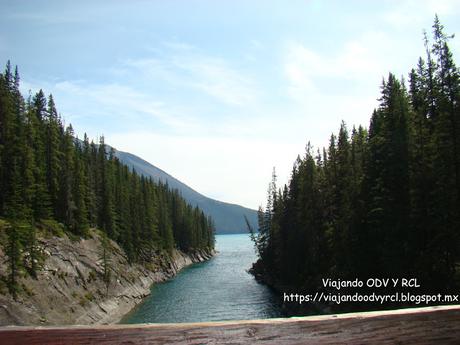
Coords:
228,217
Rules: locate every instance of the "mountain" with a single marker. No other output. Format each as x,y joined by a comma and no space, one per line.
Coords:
228,218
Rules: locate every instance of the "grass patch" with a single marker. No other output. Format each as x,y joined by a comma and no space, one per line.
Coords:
82,302
92,276
89,296
85,299
50,227
28,291
152,267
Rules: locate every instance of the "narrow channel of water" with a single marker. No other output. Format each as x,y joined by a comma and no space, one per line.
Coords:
220,289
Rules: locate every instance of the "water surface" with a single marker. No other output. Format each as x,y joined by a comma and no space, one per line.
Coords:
219,289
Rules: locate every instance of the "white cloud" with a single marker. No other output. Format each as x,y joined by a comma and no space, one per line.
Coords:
128,102
304,68
330,88
82,102
214,77
183,65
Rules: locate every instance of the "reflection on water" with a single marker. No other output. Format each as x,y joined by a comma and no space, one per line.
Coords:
219,289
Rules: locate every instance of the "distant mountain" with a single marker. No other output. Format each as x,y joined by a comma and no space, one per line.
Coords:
228,218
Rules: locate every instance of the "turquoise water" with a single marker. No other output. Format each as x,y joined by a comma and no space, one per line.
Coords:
219,289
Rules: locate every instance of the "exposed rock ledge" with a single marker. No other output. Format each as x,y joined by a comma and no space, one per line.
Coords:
70,288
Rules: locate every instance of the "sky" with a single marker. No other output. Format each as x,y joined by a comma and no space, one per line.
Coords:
217,93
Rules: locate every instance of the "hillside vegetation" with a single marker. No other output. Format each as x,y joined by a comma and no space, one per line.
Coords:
378,202
228,218
47,176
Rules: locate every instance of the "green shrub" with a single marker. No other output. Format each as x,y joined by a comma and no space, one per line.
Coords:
29,292
82,301
50,227
89,296
92,276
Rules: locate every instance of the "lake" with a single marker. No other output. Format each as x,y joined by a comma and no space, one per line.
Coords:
216,290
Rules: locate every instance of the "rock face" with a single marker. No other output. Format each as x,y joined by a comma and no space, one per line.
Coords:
70,288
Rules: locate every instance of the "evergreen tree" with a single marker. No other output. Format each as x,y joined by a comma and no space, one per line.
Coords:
13,250
41,201
105,184
52,151
67,208
29,239
106,261
79,191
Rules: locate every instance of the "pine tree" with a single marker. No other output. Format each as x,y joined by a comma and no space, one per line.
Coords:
66,203
106,261
12,203
41,202
445,134
90,178
52,152
106,218
343,202
29,233
79,191
13,250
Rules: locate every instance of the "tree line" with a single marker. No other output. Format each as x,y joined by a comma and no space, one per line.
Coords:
378,202
48,176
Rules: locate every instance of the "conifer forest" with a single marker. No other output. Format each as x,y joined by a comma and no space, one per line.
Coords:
51,180
382,201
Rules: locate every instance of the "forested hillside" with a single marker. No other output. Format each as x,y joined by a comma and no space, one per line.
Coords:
378,202
228,218
49,179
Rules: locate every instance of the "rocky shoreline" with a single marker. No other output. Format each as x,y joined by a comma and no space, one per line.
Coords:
70,288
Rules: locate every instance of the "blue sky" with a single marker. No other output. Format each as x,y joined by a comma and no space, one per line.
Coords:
216,92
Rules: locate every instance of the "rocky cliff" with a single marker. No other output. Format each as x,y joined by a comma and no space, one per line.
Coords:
70,287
